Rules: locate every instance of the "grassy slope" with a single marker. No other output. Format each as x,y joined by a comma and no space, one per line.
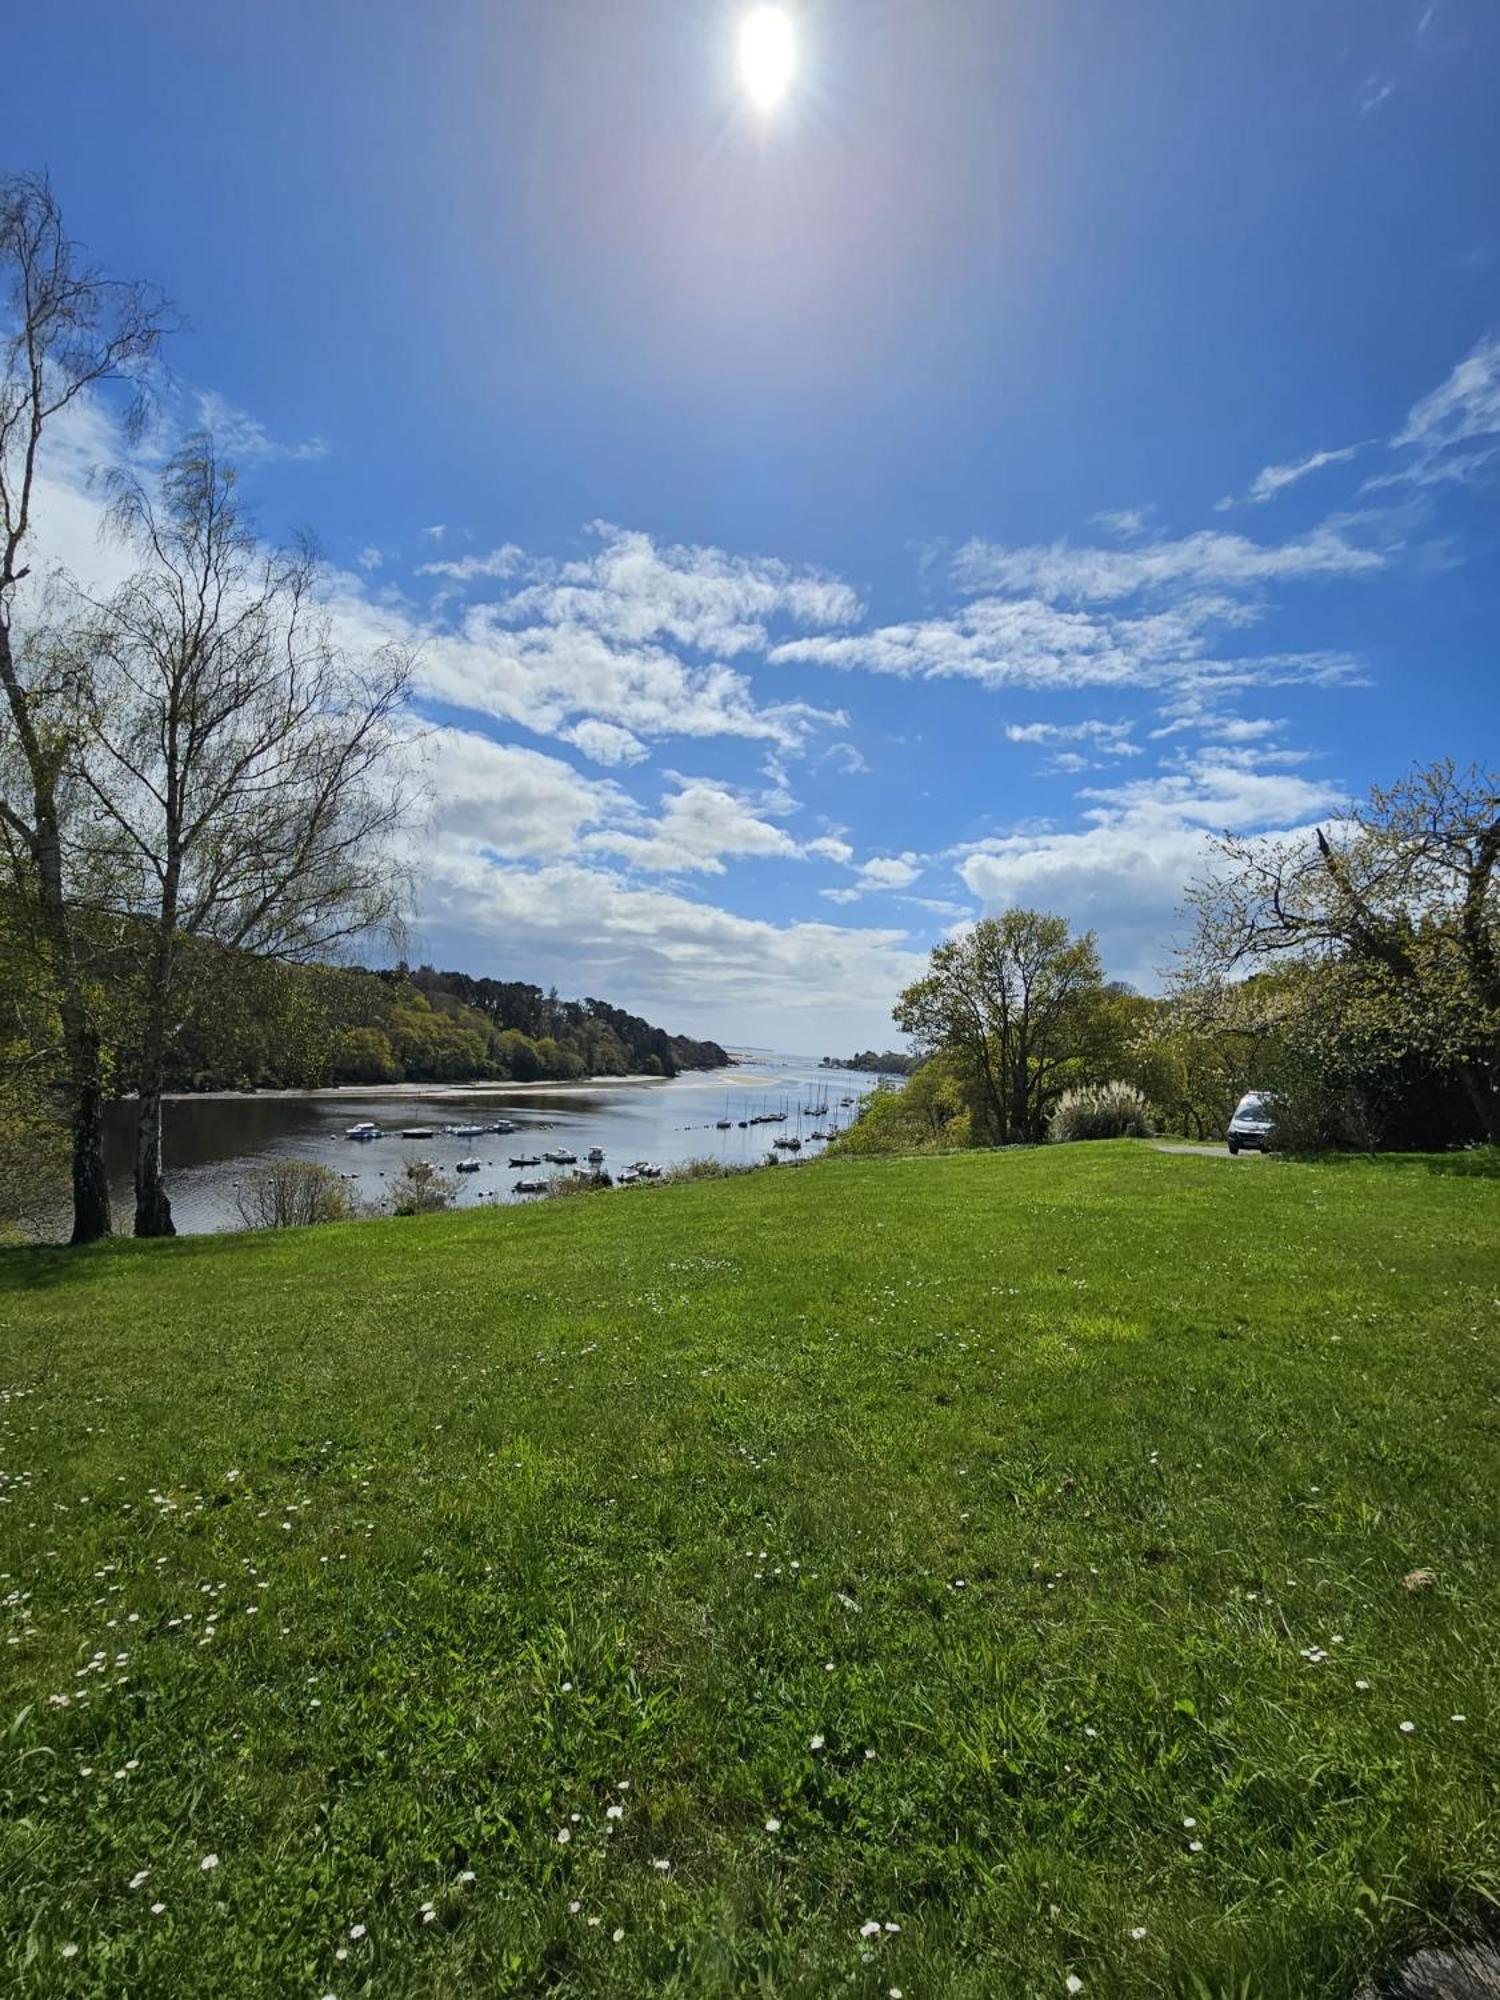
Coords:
659,1487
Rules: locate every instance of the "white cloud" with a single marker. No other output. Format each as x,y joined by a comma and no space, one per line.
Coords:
1002,642
1125,872
436,532
504,561
881,873
239,435
1126,522
554,679
890,871
370,558
1374,91
1107,739
830,848
1274,479
1207,561
696,966
501,798
699,825
606,742
1453,433
635,592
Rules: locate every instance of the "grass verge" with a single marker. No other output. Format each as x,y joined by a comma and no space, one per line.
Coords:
957,1576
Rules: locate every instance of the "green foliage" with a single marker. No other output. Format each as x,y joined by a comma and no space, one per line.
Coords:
33,1157
931,1113
364,1055
1016,1000
1056,1522
33,1134
1113,1110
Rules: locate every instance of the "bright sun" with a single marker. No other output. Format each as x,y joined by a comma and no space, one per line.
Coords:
768,55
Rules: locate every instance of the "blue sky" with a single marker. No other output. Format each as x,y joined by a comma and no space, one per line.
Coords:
1056,432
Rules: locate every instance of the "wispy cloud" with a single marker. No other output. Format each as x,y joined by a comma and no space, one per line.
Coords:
501,562
1452,435
1106,739
1208,560
240,436
1274,479
1129,523
1375,91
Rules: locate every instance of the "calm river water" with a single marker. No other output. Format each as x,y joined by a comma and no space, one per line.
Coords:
210,1143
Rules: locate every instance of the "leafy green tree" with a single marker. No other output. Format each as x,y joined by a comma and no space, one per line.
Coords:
364,1055
1016,998
929,1113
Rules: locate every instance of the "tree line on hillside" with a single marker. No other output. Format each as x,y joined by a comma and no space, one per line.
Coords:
203,796
1353,972
887,1062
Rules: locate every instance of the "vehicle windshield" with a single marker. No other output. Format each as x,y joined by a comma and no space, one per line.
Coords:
1253,1106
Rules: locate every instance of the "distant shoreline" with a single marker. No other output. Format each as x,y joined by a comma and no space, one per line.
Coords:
395,1092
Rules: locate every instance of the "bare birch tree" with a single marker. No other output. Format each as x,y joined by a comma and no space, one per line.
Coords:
246,775
66,330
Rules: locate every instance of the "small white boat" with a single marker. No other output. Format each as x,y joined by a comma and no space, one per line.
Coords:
467,1167
530,1187
504,1125
596,1156
526,1159
466,1131
365,1129
561,1157
416,1131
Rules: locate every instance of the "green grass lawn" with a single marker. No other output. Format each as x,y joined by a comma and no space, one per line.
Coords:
656,1593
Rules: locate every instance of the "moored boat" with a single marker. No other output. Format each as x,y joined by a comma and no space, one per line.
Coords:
365,1129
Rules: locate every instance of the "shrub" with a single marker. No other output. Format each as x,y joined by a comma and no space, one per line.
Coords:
421,1190
930,1113
1318,1117
294,1194
703,1168
579,1183
1101,1111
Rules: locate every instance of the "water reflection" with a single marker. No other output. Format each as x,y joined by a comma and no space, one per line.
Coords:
211,1143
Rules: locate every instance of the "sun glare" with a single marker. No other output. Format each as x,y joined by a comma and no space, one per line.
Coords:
768,55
